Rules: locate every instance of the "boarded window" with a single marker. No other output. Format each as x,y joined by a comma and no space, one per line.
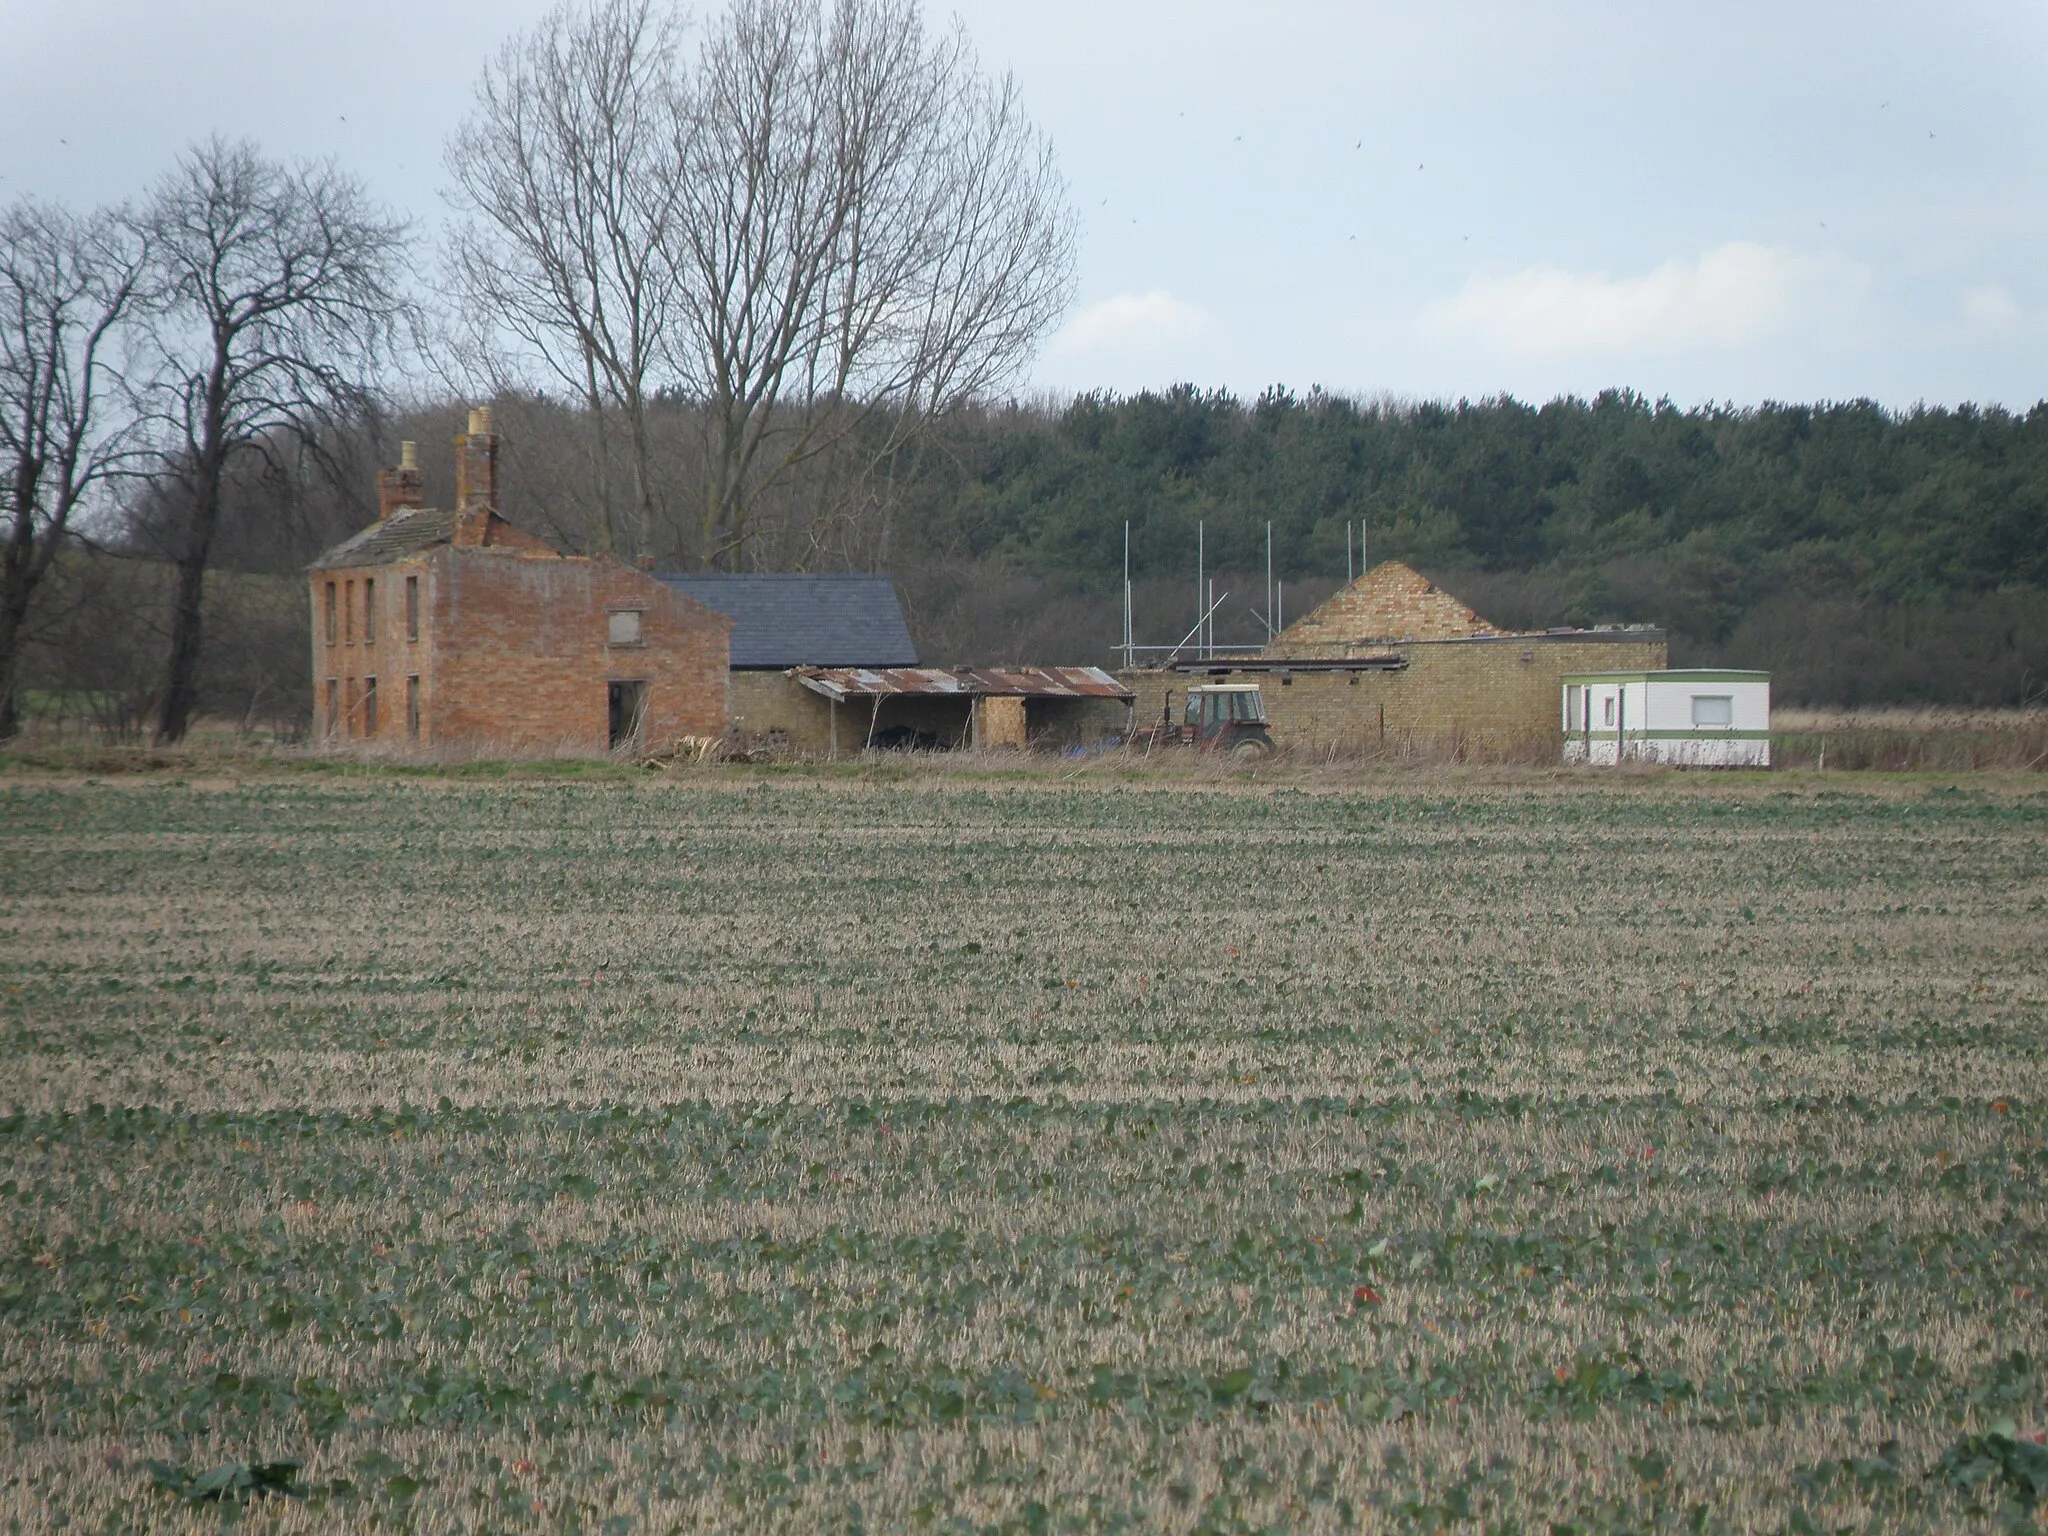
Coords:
369,611
333,698
412,707
624,628
412,608
330,614
1713,709
369,706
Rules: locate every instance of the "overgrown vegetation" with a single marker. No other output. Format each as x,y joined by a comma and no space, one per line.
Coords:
973,1155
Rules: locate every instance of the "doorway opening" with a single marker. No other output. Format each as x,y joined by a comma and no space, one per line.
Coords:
627,713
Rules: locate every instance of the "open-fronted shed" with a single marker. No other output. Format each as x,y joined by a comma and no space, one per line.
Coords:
949,707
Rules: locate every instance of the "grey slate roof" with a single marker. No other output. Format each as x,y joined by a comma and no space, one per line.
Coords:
405,532
806,620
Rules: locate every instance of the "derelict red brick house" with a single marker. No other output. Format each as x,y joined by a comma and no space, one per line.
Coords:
454,628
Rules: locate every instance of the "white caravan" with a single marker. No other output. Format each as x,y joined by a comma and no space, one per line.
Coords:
1707,719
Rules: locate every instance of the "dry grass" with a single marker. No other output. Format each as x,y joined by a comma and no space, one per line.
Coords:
756,1151
1910,740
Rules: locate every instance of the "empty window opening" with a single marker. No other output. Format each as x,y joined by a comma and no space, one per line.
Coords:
624,627
348,614
627,712
369,706
330,613
412,707
1571,708
412,608
1607,710
369,610
333,698
1713,709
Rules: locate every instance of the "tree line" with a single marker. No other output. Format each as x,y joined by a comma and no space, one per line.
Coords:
1862,555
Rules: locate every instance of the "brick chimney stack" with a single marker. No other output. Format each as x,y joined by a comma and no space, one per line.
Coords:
403,487
476,465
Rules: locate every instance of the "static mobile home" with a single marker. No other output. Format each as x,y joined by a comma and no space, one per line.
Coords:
1706,719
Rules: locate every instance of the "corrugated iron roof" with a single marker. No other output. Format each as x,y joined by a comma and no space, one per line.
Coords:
963,682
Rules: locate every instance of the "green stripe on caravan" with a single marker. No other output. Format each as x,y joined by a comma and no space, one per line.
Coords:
1665,677
1706,733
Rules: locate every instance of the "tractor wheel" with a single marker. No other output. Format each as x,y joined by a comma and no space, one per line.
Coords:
1250,751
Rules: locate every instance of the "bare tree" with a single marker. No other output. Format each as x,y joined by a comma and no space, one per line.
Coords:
828,232
280,289
566,168
873,234
67,284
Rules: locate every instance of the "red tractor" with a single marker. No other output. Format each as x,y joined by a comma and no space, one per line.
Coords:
1220,717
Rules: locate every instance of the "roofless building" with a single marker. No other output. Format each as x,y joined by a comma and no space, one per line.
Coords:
451,629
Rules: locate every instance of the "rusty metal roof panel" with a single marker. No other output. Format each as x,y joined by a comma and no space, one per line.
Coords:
1051,682
962,682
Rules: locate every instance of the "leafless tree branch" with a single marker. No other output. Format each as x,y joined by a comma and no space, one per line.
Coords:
68,285
277,291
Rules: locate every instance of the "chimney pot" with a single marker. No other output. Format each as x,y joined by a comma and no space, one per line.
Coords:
401,488
646,562
476,464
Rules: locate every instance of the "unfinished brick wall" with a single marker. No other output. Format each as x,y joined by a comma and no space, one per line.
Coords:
1491,698
1389,603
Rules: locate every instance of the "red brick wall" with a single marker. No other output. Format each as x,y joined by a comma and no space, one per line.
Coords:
513,653
371,644
523,660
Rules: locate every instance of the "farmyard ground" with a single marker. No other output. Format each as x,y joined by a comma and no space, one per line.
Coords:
790,1152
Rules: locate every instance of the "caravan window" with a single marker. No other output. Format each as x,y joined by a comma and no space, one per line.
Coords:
1713,709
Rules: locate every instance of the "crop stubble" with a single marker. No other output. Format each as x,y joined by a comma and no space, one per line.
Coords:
788,1154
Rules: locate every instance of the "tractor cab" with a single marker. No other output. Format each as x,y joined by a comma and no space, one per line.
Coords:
1227,717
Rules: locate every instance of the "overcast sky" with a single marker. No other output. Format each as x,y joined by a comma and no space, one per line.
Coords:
1727,201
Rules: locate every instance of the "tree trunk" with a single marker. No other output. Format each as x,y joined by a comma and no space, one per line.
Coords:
20,570
181,677
601,458
13,611
643,482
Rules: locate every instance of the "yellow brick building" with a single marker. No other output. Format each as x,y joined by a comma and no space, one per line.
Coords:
1393,663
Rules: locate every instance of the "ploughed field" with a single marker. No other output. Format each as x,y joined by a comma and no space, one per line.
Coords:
790,1153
